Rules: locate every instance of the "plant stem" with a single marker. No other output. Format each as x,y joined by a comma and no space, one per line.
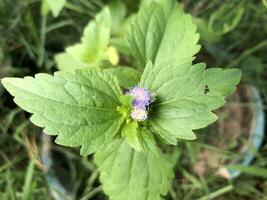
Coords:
92,193
42,41
248,52
217,193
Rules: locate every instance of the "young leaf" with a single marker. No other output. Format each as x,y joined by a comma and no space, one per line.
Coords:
227,17
80,108
127,101
185,96
93,46
131,132
67,63
126,76
128,174
55,6
95,39
148,2
118,13
162,31
204,32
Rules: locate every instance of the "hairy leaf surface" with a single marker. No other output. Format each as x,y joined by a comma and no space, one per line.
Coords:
162,31
127,174
185,96
80,108
55,6
126,76
93,45
133,135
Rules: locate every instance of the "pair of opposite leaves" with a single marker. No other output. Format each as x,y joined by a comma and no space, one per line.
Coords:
81,107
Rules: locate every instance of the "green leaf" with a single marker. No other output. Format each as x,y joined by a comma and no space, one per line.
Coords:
121,45
65,62
95,39
126,76
127,101
55,6
205,33
80,108
93,46
162,31
132,175
251,170
227,17
118,13
148,2
118,40
185,96
133,135
264,3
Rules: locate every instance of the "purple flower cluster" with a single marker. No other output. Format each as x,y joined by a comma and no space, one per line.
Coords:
142,99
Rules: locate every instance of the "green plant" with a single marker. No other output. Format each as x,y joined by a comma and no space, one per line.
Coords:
88,108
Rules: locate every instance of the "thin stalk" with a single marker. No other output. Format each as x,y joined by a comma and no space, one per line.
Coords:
248,52
30,22
27,188
92,193
42,41
217,193
75,8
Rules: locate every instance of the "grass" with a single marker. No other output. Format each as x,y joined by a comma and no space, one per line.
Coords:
28,43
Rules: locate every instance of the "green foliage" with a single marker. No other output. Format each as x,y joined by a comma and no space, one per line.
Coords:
227,17
54,6
160,32
80,108
126,76
251,67
181,108
205,33
132,175
87,108
251,170
133,135
27,188
118,13
65,62
93,46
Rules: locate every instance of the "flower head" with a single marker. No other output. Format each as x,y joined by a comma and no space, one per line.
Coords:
139,113
142,97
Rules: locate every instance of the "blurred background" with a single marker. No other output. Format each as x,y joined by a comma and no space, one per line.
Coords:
228,161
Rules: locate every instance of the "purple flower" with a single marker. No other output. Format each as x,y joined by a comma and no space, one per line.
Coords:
141,101
142,97
139,113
